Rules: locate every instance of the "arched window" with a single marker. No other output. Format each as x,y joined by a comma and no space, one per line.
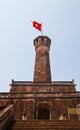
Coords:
43,111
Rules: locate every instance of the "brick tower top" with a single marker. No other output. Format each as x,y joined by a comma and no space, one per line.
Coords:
42,72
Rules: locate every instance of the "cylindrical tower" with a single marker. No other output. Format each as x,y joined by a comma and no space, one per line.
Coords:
42,72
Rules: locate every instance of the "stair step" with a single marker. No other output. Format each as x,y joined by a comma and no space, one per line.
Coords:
44,125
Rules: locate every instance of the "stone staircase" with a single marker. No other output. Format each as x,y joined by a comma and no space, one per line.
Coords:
44,125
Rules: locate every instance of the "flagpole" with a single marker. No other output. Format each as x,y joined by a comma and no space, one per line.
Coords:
41,28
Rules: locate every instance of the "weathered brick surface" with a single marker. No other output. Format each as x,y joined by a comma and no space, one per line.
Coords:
45,125
42,72
56,106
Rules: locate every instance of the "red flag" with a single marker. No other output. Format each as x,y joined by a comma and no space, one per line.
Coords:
37,25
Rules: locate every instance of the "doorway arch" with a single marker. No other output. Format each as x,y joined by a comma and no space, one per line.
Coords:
43,112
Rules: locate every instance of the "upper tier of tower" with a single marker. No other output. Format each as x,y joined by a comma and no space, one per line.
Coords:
42,72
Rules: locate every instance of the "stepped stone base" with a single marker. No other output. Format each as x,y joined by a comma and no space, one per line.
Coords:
44,125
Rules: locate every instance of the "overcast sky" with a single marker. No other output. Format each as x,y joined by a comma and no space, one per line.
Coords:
61,23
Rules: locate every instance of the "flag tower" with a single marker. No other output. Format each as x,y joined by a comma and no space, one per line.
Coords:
42,71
